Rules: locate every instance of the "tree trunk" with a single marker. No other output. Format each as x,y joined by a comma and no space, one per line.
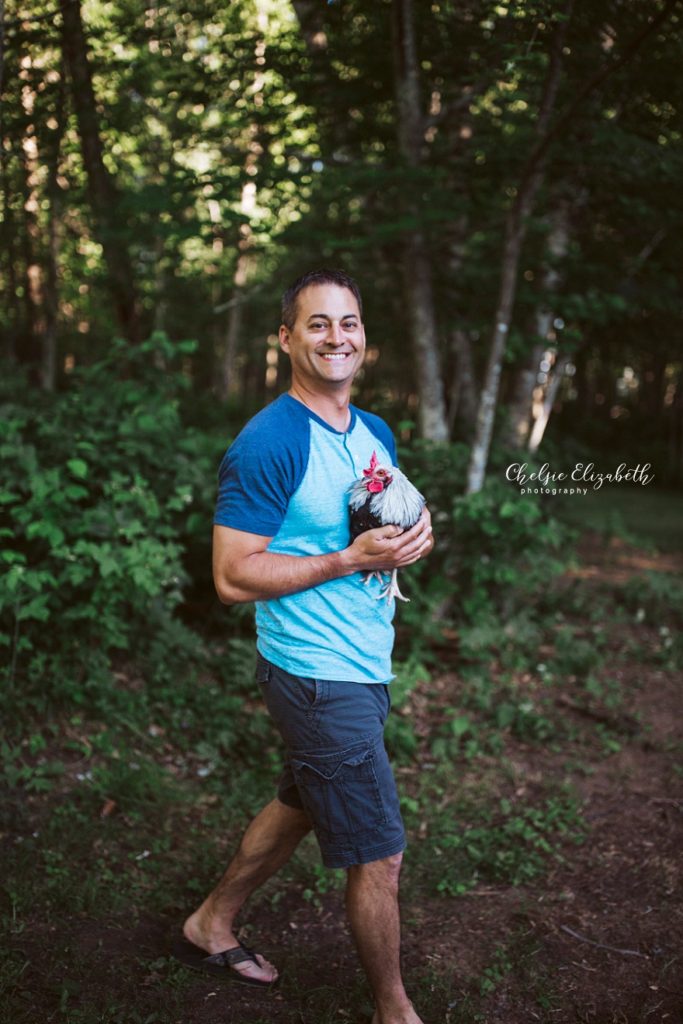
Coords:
102,192
230,380
653,385
51,291
417,269
34,301
541,421
310,15
463,395
515,232
525,379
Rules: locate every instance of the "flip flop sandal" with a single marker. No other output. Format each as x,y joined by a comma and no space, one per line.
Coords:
219,965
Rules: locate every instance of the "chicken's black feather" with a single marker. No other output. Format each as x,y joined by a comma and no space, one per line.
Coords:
363,519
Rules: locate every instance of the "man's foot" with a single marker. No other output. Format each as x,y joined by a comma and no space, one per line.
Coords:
219,939
407,1016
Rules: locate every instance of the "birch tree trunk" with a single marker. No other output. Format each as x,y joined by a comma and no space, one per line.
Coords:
546,406
433,422
102,192
525,381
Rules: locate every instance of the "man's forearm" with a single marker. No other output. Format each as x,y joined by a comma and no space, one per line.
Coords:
265,575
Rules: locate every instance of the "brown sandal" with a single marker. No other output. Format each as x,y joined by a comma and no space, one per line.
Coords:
219,964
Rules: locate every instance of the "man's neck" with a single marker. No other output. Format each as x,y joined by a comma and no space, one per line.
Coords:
333,408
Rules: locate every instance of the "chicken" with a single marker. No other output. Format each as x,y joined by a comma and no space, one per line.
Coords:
384,496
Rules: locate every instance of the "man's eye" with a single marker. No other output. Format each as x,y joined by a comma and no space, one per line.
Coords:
317,327
350,325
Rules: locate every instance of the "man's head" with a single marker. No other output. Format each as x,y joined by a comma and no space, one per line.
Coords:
316,277
322,331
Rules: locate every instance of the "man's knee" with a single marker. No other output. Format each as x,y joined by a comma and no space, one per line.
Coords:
384,872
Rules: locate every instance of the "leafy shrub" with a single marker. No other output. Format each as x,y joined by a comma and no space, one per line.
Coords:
103,491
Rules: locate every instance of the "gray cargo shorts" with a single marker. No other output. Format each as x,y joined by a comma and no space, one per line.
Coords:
336,767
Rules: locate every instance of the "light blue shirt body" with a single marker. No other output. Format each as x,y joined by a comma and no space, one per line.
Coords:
287,476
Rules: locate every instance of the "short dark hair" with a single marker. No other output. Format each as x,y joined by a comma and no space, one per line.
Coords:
313,277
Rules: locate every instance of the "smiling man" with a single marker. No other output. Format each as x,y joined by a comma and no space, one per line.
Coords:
324,641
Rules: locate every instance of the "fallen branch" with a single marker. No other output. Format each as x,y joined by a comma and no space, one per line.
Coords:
601,945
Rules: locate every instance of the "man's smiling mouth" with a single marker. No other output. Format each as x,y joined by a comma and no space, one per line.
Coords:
334,356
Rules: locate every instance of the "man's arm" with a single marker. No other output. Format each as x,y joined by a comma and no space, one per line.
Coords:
243,570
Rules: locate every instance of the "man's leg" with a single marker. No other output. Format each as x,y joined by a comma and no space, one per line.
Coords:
372,909
267,844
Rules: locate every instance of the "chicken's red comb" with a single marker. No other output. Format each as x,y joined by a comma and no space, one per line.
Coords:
373,465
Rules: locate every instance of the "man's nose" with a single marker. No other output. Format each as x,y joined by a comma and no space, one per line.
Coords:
335,335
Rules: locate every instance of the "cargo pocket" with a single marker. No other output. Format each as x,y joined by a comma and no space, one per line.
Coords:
340,791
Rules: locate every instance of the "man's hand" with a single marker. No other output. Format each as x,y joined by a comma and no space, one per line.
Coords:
388,547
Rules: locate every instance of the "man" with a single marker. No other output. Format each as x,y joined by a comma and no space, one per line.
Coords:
281,539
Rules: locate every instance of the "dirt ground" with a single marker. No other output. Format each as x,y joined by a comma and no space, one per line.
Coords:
597,940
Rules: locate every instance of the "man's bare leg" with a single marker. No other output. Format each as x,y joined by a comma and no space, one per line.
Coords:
268,843
372,909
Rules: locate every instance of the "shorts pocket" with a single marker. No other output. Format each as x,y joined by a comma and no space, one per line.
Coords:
263,669
308,692
341,792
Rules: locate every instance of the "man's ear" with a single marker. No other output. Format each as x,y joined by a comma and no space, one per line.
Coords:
283,336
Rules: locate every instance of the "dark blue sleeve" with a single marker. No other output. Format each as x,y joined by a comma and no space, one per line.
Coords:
260,471
381,431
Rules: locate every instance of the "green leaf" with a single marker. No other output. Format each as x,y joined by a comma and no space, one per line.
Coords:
74,492
49,531
13,557
78,467
36,608
460,725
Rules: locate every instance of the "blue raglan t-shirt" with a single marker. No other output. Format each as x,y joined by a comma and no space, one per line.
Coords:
286,476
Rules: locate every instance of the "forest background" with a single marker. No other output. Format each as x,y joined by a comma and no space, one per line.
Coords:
503,180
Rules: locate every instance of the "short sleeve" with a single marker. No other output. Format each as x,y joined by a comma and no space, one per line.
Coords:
258,475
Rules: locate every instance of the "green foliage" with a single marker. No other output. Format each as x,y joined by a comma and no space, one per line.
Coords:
103,490
575,655
510,843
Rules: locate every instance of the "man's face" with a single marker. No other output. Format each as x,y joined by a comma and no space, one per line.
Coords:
326,345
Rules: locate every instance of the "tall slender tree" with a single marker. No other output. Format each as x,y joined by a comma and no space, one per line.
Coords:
417,270
103,194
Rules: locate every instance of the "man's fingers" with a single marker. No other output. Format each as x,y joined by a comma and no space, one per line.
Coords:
389,532
412,540
417,550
